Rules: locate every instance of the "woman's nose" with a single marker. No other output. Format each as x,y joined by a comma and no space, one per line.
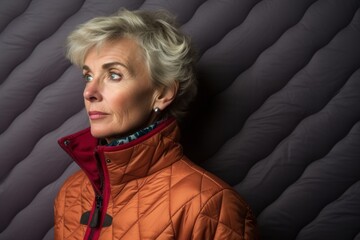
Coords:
92,91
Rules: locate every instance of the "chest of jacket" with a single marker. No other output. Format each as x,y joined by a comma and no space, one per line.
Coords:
164,204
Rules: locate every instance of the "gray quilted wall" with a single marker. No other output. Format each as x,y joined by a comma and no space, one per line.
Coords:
277,115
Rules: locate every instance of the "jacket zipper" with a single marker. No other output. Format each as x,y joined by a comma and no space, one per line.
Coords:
95,219
96,216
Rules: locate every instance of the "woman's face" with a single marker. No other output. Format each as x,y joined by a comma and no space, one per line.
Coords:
119,95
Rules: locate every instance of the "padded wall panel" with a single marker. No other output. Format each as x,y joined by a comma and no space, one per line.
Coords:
277,115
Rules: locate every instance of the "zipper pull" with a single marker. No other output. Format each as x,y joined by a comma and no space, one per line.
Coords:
96,216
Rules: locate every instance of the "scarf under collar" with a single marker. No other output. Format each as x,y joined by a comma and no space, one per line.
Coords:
136,135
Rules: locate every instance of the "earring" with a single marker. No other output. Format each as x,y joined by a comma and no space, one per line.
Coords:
157,110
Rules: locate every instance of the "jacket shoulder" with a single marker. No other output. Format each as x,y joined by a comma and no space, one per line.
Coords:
214,204
189,177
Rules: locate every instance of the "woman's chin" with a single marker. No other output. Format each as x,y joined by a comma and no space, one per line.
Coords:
96,133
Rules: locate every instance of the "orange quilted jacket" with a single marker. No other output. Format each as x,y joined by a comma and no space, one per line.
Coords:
145,189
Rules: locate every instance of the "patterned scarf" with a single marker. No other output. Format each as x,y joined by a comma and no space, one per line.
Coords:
134,136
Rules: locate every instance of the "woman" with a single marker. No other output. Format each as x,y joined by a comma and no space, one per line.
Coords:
135,182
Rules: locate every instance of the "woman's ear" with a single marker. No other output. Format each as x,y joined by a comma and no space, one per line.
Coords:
165,96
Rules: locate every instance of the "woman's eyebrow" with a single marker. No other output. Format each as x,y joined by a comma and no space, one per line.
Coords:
111,64
106,66
86,68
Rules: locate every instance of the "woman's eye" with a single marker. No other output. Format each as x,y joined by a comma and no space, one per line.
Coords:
87,77
115,76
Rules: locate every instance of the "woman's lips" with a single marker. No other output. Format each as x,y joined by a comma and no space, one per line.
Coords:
94,115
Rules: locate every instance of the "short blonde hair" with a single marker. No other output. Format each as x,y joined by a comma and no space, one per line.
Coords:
168,53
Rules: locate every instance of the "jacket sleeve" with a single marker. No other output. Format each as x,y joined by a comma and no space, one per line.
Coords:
225,216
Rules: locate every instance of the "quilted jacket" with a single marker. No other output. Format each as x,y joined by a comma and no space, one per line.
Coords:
145,189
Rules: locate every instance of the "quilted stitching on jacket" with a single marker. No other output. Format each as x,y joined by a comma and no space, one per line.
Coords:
152,198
